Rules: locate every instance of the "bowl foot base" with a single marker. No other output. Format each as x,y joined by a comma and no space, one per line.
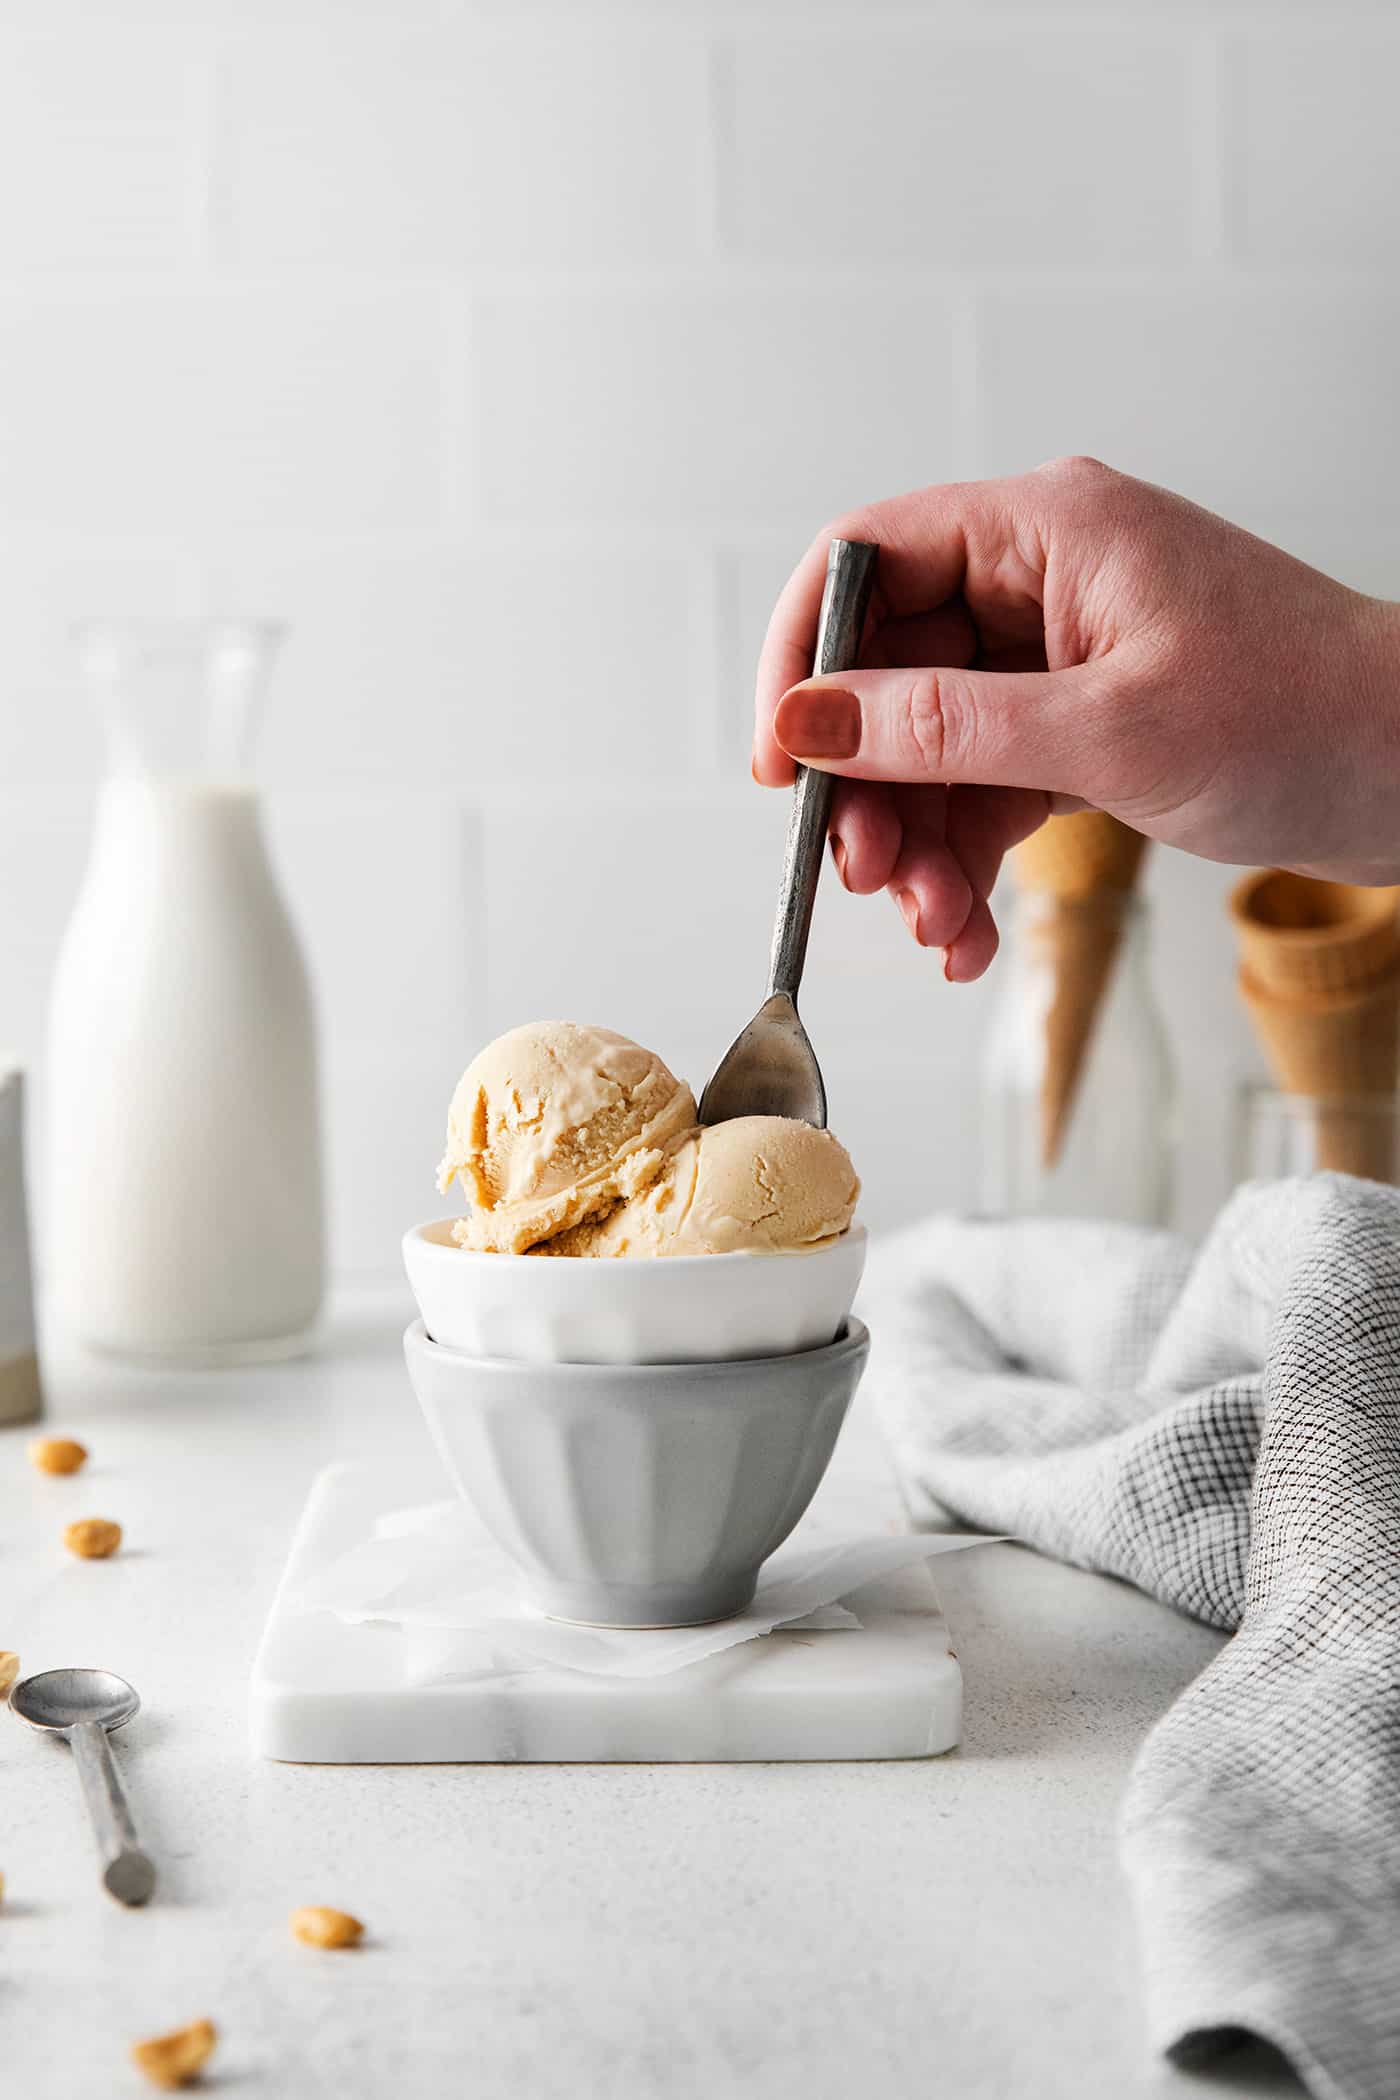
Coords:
636,1606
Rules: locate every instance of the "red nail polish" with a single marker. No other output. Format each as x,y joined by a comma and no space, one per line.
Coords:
818,722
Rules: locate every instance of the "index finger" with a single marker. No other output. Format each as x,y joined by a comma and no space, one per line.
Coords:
923,542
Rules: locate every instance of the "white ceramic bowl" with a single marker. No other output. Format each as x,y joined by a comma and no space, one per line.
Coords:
679,1309
637,1495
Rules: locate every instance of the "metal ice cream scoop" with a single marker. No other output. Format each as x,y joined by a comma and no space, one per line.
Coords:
772,1069
80,1706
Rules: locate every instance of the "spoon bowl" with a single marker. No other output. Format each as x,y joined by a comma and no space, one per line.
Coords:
58,1700
770,1070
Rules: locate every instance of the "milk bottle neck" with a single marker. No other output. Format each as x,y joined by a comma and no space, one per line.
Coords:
179,699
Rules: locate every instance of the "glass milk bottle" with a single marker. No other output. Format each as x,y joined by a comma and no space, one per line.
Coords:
1078,1099
184,1150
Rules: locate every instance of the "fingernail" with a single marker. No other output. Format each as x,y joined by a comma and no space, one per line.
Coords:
818,722
753,768
909,910
948,966
838,854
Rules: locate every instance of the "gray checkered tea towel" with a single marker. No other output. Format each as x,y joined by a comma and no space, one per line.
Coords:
1221,1428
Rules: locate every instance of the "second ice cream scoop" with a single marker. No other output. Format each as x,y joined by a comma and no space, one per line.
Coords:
771,1069
751,1185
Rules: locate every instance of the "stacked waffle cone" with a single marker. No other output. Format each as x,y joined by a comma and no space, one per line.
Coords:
1320,978
1083,869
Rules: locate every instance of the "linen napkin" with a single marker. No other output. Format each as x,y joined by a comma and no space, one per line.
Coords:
1221,1428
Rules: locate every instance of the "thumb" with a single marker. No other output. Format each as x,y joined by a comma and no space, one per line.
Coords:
1031,729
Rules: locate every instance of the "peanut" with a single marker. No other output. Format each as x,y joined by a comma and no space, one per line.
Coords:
171,2060
92,1538
320,1927
57,1454
9,1671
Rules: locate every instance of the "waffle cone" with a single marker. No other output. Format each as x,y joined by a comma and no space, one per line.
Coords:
1320,979
1348,1044
1077,856
1075,941
1083,867
1301,940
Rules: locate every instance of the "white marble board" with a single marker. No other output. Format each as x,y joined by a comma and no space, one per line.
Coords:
324,1692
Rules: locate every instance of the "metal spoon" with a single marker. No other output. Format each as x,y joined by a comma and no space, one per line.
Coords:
772,1069
80,1706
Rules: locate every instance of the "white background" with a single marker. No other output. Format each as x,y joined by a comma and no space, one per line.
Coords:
513,353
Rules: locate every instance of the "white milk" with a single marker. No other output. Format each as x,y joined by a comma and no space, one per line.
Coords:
184,1155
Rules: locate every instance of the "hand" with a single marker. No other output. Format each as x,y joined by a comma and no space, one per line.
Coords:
1074,638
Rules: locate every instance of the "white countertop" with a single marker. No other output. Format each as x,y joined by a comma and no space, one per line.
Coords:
956,1926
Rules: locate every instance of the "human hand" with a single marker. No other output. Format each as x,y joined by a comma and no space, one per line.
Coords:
1072,638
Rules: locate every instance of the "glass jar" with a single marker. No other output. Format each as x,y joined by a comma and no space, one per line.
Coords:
184,1147
1078,1098
1279,1134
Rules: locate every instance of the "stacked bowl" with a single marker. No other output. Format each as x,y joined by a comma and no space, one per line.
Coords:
637,1435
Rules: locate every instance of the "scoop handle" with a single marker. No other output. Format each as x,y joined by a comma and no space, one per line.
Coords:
850,578
128,1872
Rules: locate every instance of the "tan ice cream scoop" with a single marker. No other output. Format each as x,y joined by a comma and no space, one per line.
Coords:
755,1185
555,1123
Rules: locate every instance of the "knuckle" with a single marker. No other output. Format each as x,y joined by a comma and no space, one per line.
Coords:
924,721
1075,466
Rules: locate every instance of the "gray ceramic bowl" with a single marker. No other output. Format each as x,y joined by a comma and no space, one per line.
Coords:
638,1494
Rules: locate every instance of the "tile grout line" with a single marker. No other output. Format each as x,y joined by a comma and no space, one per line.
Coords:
1207,150
717,149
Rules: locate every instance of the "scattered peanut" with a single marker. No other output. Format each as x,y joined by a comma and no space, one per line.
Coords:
92,1538
171,2060
320,1927
57,1454
9,1671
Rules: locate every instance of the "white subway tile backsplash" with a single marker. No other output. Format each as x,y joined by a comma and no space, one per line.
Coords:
100,149
1260,402
384,1112
198,412
687,407
513,355
1042,148
649,914
750,580
477,667
379,886
1316,149
403,150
